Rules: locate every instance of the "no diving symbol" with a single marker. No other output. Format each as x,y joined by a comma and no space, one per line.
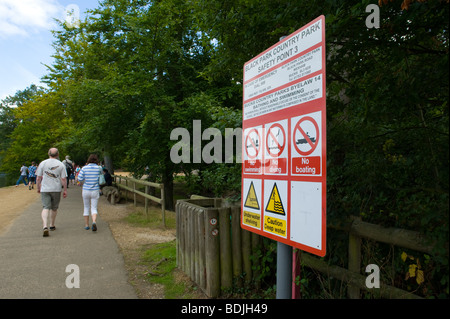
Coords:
306,135
252,144
275,140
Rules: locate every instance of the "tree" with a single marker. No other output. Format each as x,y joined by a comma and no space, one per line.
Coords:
39,125
7,119
126,76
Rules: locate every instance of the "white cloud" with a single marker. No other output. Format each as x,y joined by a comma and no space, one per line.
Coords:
23,17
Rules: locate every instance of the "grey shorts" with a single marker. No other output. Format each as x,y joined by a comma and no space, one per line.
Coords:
50,200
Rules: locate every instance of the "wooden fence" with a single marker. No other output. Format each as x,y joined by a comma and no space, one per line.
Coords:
212,249
215,252
357,230
130,186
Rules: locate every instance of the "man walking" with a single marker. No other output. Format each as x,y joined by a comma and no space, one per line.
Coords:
51,175
32,175
23,175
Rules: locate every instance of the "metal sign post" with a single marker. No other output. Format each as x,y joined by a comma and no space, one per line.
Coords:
284,271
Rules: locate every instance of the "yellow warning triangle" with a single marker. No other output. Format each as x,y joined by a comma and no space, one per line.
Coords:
275,205
251,200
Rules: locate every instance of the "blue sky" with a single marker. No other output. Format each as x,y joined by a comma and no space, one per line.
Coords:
26,40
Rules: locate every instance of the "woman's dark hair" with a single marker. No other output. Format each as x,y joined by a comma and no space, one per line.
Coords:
93,158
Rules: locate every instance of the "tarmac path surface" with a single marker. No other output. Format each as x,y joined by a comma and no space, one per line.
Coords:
37,267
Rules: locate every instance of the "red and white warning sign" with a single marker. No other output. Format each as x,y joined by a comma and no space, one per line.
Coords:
284,141
306,141
276,150
253,150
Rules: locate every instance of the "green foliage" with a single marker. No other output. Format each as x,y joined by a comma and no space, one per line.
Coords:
224,178
388,140
39,124
265,258
8,121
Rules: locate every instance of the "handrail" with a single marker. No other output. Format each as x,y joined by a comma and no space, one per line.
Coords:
145,194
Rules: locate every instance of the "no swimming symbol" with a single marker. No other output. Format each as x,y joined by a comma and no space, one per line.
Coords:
252,144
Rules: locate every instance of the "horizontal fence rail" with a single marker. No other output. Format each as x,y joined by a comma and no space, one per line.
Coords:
130,186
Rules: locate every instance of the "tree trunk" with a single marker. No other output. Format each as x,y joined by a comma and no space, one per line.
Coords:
108,162
167,179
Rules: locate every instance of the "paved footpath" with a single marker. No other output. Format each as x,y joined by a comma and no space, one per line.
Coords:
33,266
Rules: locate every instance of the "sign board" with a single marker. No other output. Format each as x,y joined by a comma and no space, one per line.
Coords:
284,141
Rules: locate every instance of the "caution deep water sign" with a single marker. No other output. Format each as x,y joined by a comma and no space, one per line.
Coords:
275,205
284,141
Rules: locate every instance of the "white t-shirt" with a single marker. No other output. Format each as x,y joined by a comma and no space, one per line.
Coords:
51,170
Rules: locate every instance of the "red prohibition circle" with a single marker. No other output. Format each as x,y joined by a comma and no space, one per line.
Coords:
256,147
306,137
280,147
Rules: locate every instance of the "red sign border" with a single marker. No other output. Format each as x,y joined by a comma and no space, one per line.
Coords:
300,110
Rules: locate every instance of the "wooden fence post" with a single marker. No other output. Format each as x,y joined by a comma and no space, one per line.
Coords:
185,238
178,206
246,252
236,245
226,265
146,201
354,261
134,194
188,242
196,238
120,182
191,243
212,256
163,204
201,257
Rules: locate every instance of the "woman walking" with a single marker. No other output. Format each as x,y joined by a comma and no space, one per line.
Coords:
89,175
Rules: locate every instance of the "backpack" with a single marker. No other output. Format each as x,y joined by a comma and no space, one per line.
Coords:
69,168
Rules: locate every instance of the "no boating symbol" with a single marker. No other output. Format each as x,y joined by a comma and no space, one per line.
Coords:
252,143
306,135
275,140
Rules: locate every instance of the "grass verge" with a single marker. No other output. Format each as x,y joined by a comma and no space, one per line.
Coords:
160,259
